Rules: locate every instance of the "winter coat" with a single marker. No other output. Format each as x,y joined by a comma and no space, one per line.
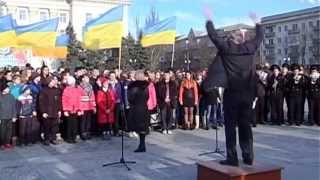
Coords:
8,108
106,101
88,101
71,99
15,90
138,117
152,101
161,93
50,102
25,106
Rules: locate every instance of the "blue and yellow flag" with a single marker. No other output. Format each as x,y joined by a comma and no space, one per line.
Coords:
7,32
42,34
162,33
59,51
105,31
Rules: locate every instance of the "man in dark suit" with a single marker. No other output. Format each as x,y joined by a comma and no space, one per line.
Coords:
237,58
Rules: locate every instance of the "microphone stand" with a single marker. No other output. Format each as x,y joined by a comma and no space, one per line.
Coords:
122,159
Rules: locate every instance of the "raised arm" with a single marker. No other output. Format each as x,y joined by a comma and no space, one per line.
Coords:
219,42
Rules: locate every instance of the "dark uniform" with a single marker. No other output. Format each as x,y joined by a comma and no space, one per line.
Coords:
313,95
296,89
260,106
276,89
286,78
238,62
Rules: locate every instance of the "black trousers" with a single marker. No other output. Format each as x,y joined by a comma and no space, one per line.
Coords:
238,111
166,117
259,118
314,111
71,127
51,128
295,110
266,107
85,122
28,130
277,113
287,99
5,131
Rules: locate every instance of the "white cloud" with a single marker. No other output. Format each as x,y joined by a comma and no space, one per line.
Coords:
311,1
185,16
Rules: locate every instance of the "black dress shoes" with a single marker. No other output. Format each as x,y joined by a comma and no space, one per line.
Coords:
229,163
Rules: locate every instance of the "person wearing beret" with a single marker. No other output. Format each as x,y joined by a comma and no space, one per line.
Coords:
313,96
276,88
295,90
286,75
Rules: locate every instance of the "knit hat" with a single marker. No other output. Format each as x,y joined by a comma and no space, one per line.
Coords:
273,67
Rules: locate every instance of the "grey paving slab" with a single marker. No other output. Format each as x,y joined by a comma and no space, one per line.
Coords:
297,149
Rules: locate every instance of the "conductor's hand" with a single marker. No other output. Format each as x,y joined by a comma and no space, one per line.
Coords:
254,17
207,12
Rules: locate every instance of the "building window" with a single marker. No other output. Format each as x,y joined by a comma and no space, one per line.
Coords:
294,27
63,18
3,10
198,41
279,51
88,17
310,24
23,15
286,51
279,29
279,40
303,26
270,42
285,28
44,14
318,23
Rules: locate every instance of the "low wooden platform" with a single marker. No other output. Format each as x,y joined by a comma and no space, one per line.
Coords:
212,170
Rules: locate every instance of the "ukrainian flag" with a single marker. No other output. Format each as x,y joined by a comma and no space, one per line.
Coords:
105,31
59,51
162,33
7,32
42,34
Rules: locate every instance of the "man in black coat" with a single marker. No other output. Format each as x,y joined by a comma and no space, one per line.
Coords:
286,74
167,95
237,59
276,89
50,109
313,95
261,93
296,87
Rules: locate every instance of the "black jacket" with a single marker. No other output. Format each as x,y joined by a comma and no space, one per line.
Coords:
161,93
8,107
237,63
279,89
138,117
50,102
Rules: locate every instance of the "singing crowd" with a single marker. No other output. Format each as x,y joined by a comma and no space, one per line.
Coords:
37,105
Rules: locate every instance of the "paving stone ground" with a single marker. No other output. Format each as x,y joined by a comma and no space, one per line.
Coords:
168,157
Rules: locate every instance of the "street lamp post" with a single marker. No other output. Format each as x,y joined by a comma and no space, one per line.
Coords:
287,60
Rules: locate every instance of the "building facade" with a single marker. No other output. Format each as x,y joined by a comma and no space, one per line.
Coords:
78,12
292,37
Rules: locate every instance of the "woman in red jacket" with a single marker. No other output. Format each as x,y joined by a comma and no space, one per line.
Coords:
106,101
72,110
88,104
188,97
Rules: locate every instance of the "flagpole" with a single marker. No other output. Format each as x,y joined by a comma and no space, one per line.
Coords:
120,52
173,51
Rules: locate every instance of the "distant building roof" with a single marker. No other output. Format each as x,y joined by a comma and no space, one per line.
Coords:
236,27
313,10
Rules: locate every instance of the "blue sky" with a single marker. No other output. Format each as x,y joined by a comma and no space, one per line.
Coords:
225,12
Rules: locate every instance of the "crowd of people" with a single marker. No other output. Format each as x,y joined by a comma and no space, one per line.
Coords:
37,105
